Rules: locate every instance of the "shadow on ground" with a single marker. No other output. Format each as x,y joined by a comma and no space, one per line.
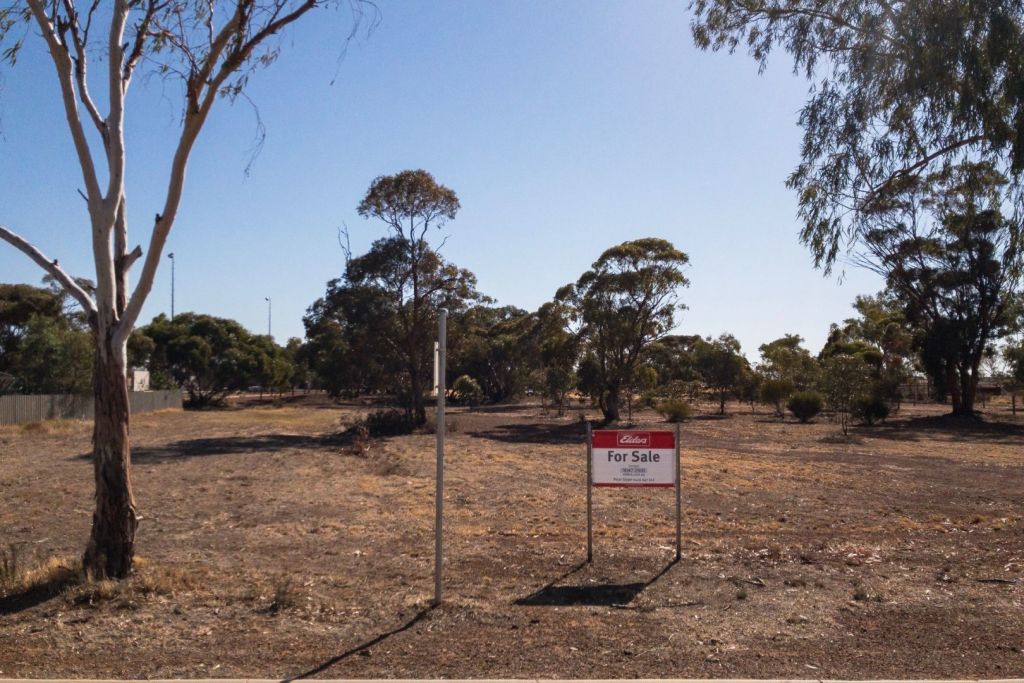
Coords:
363,649
590,595
230,445
38,594
943,425
540,433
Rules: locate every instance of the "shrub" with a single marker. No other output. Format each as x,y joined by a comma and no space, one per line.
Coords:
389,423
870,409
675,410
775,391
467,390
805,404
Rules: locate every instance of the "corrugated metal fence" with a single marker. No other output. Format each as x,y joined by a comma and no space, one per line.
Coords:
19,409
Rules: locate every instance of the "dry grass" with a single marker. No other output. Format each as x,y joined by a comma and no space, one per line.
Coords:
23,576
22,573
273,548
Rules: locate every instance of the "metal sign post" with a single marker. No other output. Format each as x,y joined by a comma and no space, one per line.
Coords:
679,500
439,428
590,495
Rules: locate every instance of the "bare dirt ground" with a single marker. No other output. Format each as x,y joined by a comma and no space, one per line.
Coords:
271,549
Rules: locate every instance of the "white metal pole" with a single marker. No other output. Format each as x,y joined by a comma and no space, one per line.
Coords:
442,332
679,499
590,492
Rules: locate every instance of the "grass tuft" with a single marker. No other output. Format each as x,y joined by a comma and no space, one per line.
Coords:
20,575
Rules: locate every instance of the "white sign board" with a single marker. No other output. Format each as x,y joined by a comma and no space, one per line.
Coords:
633,458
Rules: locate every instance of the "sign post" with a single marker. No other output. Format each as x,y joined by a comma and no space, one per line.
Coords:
633,458
679,500
442,349
590,494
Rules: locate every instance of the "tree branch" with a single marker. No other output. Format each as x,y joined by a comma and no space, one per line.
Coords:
62,62
51,267
80,37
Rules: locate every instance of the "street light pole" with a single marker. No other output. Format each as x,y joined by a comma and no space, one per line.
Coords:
269,305
171,256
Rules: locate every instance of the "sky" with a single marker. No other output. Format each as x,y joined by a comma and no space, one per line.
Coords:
564,128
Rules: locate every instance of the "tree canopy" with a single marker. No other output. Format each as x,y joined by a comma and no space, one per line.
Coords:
627,300
900,89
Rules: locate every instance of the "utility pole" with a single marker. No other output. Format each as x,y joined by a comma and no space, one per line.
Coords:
171,256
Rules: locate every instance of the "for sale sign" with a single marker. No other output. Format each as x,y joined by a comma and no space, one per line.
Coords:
631,458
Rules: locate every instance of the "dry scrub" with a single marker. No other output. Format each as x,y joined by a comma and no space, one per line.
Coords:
272,546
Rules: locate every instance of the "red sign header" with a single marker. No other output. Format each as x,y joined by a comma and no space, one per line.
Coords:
630,439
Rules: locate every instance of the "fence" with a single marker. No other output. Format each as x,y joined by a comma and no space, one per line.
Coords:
18,409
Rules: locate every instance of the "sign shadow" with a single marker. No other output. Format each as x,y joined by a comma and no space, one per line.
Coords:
557,594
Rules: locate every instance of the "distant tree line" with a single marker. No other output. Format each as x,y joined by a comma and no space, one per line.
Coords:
950,257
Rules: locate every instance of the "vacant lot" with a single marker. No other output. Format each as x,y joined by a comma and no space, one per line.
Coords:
272,548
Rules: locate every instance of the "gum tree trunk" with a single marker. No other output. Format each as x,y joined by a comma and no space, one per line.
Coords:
610,407
110,551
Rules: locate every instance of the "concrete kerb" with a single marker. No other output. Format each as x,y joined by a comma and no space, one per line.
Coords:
511,680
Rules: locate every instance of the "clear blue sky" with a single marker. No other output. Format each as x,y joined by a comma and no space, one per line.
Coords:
564,128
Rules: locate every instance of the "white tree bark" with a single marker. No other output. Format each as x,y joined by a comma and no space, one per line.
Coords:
208,58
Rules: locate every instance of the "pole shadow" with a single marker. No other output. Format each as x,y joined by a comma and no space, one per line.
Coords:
362,647
590,595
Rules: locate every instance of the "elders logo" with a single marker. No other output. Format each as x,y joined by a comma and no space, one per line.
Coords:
634,439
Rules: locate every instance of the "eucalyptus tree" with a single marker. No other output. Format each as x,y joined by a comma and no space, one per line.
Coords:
498,346
405,265
787,361
208,50
901,88
627,300
955,264
372,331
559,352
721,365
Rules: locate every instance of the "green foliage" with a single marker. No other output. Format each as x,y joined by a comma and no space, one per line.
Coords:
805,405
899,89
775,391
373,331
1014,355
786,359
954,263
496,345
44,349
467,390
389,423
559,352
626,301
721,365
396,289
210,357
410,202
846,381
870,409
882,337
672,356
675,410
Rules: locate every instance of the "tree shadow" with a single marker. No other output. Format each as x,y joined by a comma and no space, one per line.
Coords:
591,595
232,445
538,432
496,408
39,593
362,648
913,429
